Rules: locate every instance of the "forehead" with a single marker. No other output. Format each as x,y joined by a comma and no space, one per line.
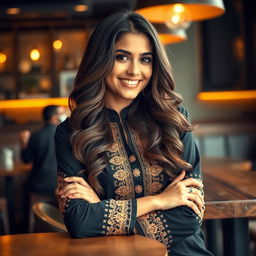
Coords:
134,42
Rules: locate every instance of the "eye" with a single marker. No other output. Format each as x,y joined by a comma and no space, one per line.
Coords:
146,60
122,57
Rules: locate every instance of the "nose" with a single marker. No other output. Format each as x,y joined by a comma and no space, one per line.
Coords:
133,68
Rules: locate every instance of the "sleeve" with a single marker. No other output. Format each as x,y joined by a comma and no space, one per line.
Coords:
27,153
173,225
83,219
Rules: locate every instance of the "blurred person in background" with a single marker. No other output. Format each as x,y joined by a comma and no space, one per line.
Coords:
38,148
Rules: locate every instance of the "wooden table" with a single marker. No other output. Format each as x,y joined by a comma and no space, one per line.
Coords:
8,175
60,244
230,194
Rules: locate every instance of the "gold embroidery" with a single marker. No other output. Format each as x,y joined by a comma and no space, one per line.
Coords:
138,189
120,175
155,170
132,158
119,164
116,160
136,172
155,227
123,191
152,174
118,219
113,147
155,187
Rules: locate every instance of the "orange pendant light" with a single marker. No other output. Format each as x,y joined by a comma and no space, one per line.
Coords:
168,36
175,12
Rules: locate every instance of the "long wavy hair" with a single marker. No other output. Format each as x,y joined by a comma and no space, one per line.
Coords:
161,125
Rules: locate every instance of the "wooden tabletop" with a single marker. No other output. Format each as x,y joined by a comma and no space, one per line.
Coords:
60,244
18,168
229,192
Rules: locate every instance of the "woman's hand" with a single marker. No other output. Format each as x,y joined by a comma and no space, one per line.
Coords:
182,193
78,188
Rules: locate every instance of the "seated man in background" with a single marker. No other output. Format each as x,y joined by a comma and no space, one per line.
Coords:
38,148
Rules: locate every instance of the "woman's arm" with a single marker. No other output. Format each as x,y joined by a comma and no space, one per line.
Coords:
84,219
178,193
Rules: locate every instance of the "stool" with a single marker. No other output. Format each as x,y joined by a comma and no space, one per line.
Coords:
4,210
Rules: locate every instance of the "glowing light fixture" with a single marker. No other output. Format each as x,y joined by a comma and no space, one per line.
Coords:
57,44
179,13
81,8
227,95
13,11
32,103
3,58
34,54
168,36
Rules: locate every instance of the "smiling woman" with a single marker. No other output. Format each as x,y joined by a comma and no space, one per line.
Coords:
127,160
131,72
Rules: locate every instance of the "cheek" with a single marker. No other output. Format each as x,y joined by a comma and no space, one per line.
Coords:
148,72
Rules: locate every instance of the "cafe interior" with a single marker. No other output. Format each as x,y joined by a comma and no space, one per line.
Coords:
211,45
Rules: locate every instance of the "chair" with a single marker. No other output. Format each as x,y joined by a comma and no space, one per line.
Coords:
35,198
4,210
47,218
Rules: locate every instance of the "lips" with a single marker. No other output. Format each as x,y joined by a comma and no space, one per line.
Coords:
130,83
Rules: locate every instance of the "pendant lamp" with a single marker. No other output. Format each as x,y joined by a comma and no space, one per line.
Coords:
179,13
168,36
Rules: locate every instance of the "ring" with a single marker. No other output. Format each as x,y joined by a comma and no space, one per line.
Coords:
190,190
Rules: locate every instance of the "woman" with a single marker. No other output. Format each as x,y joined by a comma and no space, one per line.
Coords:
127,161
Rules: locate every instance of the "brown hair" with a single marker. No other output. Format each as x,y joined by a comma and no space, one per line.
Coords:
162,124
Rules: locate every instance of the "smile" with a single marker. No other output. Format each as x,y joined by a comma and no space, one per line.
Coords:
130,83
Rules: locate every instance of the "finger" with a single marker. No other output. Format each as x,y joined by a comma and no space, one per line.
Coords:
192,182
78,196
196,200
73,190
71,186
179,178
79,180
200,195
196,192
193,206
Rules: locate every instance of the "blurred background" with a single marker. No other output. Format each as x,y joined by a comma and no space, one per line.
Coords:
212,52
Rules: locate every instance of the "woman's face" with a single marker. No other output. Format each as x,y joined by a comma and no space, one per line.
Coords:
131,72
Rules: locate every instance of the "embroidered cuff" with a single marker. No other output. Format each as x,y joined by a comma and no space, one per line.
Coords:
119,217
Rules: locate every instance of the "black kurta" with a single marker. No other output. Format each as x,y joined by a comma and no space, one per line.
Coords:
128,176
41,152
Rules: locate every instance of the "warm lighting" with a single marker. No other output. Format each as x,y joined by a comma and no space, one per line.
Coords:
227,95
32,103
81,8
34,54
177,16
3,58
13,11
57,44
195,9
25,66
168,36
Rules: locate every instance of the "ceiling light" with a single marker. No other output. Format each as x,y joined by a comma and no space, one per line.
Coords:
57,44
3,57
168,36
81,8
13,11
163,11
34,54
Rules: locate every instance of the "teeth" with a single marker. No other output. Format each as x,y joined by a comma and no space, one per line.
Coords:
131,82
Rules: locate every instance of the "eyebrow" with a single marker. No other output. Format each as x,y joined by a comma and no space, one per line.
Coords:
129,53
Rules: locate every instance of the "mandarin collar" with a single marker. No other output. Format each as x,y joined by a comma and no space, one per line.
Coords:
113,115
